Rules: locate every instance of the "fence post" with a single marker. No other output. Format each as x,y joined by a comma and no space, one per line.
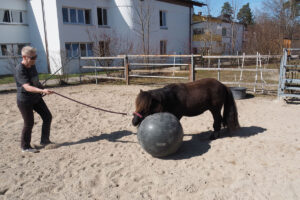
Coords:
126,65
79,69
95,64
219,65
192,69
254,89
241,74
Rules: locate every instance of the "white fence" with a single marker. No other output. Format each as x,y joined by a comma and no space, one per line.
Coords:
166,67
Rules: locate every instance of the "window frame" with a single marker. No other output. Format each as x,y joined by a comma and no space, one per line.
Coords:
198,31
224,31
85,12
70,51
104,17
103,48
163,19
21,16
12,49
163,47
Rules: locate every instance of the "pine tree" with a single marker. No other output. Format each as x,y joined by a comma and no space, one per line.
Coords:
227,10
245,15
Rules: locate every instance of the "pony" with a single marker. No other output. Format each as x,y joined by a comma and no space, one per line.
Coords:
190,99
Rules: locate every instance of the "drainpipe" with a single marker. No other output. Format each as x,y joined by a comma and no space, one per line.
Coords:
190,31
46,39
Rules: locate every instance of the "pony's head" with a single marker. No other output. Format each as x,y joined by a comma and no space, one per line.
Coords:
146,104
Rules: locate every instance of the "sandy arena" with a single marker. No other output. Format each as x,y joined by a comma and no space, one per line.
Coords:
97,155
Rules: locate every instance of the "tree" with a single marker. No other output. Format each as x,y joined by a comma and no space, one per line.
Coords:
143,11
61,61
286,20
273,24
245,15
294,6
227,11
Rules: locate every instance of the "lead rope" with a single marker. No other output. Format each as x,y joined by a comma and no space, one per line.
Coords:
109,111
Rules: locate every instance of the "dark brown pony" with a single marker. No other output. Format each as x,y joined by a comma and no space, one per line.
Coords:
190,99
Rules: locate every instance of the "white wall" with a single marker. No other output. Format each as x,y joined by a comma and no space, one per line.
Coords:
12,33
37,34
226,44
122,27
53,33
176,34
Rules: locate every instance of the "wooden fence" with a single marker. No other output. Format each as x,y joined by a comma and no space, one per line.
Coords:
145,66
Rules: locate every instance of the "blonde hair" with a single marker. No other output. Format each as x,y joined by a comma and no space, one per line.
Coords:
28,51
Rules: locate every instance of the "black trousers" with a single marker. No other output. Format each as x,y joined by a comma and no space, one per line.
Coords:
28,117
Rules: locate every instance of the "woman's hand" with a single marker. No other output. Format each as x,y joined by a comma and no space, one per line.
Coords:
46,91
33,89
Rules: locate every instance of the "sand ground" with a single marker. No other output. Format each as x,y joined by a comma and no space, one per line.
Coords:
97,154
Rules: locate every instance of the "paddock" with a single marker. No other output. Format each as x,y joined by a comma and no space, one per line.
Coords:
97,155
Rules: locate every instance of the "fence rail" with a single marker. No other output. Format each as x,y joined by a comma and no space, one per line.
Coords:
131,65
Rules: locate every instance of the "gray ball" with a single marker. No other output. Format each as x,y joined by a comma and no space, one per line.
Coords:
160,134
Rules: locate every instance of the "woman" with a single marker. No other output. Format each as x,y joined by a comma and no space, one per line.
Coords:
29,99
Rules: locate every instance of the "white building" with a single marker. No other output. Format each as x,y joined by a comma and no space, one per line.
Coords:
218,35
90,27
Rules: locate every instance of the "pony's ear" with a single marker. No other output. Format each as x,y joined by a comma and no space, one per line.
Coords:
141,91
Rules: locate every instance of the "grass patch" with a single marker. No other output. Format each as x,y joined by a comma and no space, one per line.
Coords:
5,79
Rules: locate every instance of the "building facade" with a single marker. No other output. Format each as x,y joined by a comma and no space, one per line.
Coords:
63,30
216,35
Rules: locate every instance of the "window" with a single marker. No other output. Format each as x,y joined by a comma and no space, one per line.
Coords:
4,50
102,16
163,47
73,16
11,49
223,31
83,50
76,49
80,16
20,47
90,49
103,48
76,16
68,50
162,18
87,16
65,15
195,50
6,17
17,16
198,31
12,16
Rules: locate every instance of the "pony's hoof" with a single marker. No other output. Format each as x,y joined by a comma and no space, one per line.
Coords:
214,136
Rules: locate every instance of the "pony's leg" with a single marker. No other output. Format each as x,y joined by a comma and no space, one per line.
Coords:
217,123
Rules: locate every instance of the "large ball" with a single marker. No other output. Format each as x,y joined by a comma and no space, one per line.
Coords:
160,134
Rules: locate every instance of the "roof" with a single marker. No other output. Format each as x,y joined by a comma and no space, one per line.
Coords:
188,3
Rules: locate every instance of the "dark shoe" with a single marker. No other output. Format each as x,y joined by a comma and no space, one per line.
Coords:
46,143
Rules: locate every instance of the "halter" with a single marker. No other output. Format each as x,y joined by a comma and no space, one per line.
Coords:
138,114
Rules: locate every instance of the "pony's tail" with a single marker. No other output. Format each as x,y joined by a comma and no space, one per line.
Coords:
230,115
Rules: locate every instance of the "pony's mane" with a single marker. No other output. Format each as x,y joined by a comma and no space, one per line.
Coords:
143,101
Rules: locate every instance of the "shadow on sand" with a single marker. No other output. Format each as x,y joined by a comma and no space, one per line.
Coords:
200,143
112,137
